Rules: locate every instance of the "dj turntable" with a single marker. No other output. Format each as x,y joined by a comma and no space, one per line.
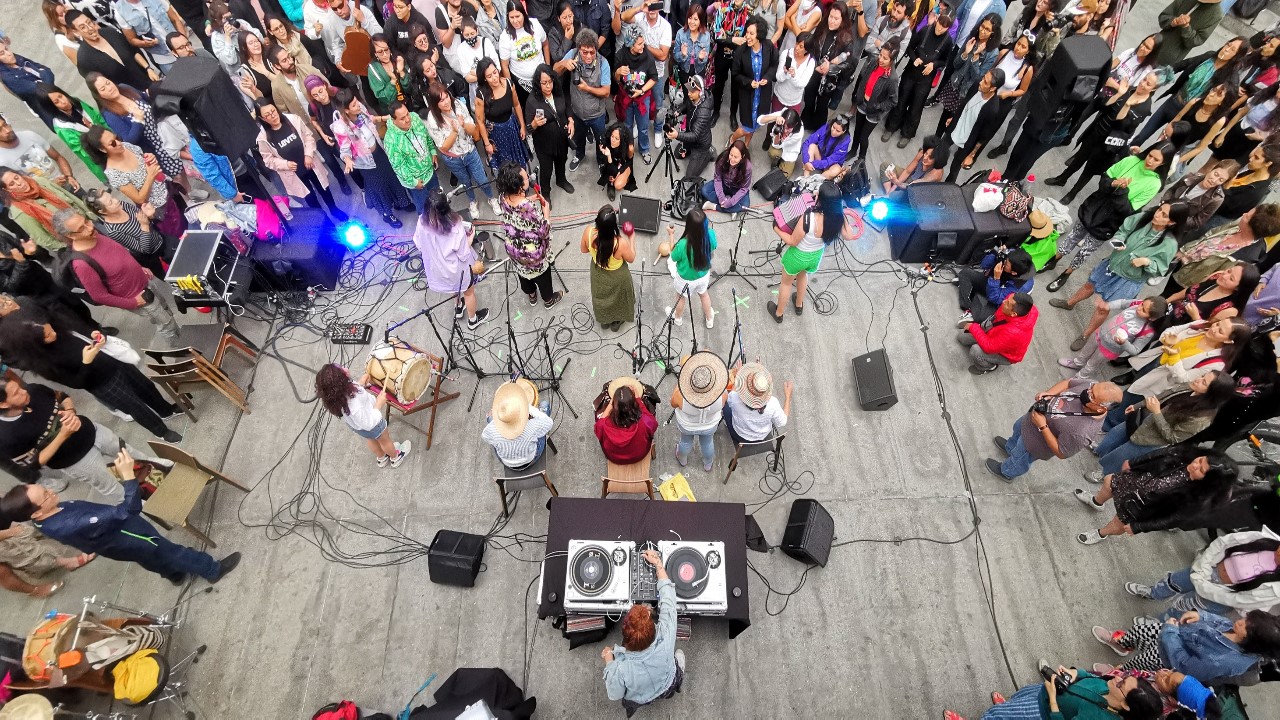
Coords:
697,569
598,576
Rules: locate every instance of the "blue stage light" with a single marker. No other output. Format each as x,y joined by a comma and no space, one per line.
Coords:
354,235
879,210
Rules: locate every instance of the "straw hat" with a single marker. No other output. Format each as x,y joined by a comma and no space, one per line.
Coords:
28,707
510,409
703,378
626,380
754,385
1041,226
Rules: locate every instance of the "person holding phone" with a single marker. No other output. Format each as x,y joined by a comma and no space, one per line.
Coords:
552,127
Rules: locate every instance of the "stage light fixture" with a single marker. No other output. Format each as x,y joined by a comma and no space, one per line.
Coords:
879,210
354,235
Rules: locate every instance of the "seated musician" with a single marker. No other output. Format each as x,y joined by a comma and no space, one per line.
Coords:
625,424
517,428
751,412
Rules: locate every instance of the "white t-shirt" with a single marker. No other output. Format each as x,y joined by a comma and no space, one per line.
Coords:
755,426
523,53
802,16
30,155
963,126
657,35
362,413
1127,69
789,89
694,420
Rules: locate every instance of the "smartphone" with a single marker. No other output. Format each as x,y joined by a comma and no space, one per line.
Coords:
122,445
788,62
538,113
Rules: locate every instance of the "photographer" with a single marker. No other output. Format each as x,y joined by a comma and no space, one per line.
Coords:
589,80
1062,422
1003,273
697,133
1076,694
1003,338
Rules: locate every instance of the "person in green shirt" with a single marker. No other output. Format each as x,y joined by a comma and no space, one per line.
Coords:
72,118
388,74
412,153
1143,248
690,264
1089,697
1184,25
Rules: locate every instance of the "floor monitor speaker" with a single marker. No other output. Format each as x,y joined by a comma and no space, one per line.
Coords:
873,379
643,212
809,532
310,256
454,558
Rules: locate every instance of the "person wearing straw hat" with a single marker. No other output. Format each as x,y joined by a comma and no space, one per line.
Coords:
1042,241
517,428
751,411
698,400
625,424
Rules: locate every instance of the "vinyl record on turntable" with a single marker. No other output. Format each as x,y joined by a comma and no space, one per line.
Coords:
687,568
591,570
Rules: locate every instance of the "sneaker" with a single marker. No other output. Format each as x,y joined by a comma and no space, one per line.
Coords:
474,209
554,299
404,448
711,320
1086,497
884,136
680,658
1155,281
1109,638
966,317
1060,304
574,163
658,140
707,465
993,466
683,462
708,205
493,205
674,318
977,369
122,415
53,484
1094,477
383,460
647,158
1138,590
171,437
482,315
566,186
226,565
1093,537
1001,444
1078,343
533,298
458,309
1070,363
612,192
177,411
1103,668
903,142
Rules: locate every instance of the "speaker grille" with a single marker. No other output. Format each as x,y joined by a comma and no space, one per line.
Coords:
809,533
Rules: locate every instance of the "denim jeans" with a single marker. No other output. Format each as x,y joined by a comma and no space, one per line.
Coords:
1178,585
1019,460
640,121
706,443
580,128
659,94
1114,448
468,170
1116,415
709,194
419,195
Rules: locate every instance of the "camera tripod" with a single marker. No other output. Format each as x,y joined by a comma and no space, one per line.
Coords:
667,160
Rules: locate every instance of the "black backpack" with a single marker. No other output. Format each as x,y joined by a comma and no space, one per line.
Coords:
685,196
65,276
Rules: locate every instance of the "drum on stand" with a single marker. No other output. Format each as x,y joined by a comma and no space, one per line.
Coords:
402,370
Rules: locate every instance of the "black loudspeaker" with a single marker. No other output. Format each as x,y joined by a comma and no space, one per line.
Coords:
770,186
202,94
454,558
643,212
310,256
873,379
1070,77
932,208
809,533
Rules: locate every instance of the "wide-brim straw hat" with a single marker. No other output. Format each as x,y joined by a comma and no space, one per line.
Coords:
637,389
510,409
703,378
1041,225
754,385
28,707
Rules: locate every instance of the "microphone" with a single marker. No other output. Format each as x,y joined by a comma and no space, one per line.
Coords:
457,191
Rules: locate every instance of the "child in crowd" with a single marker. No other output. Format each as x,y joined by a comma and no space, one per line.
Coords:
1118,336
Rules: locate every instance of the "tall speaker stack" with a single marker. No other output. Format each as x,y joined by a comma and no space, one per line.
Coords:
201,93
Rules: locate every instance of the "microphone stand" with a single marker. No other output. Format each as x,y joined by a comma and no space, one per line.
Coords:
733,256
637,352
736,340
671,363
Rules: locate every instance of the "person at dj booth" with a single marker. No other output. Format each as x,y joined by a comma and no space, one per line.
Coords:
517,429
1003,338
825,151
976,123
648,666
1003,272
625,424
696,136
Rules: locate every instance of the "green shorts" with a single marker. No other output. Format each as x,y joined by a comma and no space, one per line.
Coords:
796,261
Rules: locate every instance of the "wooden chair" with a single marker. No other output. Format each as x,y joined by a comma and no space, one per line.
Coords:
213,340
747,449
185,366
532,477
633,478
613,485
176,496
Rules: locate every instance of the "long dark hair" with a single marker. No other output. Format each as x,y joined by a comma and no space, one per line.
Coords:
1263,545
1261,634
697,239
91,80
22,343
606,235
831,205
538,72
1167,151
1178,214
626,409
511,30
482,68
730,175
1249,277
92,144
44,90
1190,404
435,93
440,216
1240,333
844,34
263,102
624,138
1213,488
334,389
1149,61
242,46
996,21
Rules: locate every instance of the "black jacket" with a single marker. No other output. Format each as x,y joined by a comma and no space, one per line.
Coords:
741,72
697,131
129,72
929,48
883,96
552,139
990,118
1102,212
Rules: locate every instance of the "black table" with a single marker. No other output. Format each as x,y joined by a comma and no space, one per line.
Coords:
575,518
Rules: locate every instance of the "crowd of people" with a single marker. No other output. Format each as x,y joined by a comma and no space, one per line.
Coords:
1174,158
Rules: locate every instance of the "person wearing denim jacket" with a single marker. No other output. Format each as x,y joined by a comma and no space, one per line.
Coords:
647,671
1213,649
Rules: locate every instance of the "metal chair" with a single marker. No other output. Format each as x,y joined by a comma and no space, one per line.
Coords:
177,495
531,477
747,449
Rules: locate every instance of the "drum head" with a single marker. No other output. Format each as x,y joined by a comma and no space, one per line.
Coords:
27,707
529,389
415,378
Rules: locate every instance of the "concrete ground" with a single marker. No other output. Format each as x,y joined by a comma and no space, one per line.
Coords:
930,616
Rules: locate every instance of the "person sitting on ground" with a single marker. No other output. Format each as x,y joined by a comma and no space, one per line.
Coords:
1042,241
1238,571
1004,272
698,401
1160,491
1088,698
361,411
618,153
751,412
1208,647
729,190
26,557
115,532
926,166
647,666
1122,336
517,429
1062,422
1002,338
824,152
625,424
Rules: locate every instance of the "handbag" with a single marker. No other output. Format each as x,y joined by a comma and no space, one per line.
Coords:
1016,204
116,348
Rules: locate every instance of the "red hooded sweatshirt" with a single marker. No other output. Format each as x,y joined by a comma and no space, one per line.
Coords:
1008,336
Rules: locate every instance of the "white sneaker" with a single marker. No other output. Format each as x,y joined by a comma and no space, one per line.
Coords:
52,484
675,319
1093,537
680,658
383,460
1094,477
1138,590
708,205
658,140
1086,497
122,415
1070,363
493,205
474,209
404,448
965,319
711,320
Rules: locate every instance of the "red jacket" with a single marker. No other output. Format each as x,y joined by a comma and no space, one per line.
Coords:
1008,336
626,445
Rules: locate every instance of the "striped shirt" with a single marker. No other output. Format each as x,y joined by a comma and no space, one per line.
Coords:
523,449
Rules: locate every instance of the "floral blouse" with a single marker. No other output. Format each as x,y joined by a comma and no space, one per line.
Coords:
137,178
528,237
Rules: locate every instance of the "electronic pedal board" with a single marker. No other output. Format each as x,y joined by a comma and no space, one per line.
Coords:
350,333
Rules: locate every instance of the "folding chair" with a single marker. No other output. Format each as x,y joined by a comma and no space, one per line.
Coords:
185,366
184,483
747,449
532,477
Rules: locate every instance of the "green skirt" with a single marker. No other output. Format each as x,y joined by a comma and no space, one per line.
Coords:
613,294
